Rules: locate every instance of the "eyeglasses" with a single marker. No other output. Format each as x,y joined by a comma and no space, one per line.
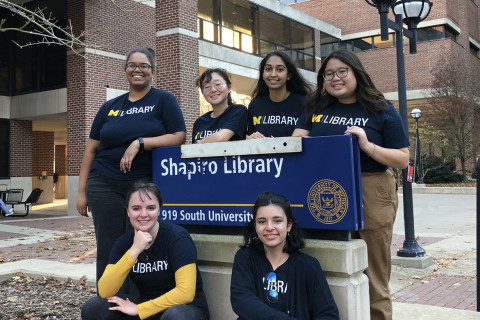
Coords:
271,279
218,86
340,72
142,66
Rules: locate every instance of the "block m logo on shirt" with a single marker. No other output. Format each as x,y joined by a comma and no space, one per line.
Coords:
316,118
113,113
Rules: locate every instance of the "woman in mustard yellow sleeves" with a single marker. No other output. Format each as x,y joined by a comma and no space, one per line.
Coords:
160,258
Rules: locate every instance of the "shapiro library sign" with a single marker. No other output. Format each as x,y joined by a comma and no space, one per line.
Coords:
216,184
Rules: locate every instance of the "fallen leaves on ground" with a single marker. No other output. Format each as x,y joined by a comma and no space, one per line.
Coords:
42,299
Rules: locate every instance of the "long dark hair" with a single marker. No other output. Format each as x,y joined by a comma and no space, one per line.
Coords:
294,240
369,97
207,77
145,189
296,83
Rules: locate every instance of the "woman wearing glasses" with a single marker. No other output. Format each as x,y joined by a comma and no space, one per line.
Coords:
277,98
271,278
118,151
226,121
347,102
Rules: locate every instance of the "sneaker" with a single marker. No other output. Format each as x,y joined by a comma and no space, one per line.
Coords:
9,213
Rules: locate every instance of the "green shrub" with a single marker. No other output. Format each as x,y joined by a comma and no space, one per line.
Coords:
439,171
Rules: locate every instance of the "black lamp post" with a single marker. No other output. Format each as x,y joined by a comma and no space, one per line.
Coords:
416,114
411,12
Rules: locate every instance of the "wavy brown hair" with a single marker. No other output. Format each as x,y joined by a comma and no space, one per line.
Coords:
369,97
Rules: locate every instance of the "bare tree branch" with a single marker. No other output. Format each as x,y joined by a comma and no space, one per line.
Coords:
454,109
37,23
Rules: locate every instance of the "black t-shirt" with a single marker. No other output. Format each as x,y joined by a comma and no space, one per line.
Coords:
275,287
119,122
382,128
274,119
173,249
233,118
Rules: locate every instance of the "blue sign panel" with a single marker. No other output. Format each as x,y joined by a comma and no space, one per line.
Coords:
322,182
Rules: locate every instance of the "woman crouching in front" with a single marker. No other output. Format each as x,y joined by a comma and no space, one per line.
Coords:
161,260
271,278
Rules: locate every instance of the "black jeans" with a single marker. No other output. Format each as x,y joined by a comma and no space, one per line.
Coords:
96,308
106,198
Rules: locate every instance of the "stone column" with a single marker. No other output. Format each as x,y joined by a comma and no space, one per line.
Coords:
342,261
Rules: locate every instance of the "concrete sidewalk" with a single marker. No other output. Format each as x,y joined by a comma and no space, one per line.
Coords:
445,227
48,243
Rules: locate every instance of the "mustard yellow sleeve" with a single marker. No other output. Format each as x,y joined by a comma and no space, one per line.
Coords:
114,276
183,293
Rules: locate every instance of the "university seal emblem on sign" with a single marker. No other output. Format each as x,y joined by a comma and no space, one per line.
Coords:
327,201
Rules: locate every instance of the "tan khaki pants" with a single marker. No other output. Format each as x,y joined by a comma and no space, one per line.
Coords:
380,202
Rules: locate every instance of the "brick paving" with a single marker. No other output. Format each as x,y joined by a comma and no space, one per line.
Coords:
437,289
61,224
63,249
441,291
75,242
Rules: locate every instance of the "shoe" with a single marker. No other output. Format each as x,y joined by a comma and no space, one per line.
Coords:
9,213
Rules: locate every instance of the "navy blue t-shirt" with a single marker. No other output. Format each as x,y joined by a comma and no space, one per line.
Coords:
274,119
233,118
382,128
120,121
154,271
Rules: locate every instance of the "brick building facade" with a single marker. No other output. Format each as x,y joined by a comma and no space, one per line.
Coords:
381,62
460,44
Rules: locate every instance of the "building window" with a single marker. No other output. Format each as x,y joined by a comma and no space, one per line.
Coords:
241,25
327,44
374,42
431,33
36,67
474,50
271,26
450,33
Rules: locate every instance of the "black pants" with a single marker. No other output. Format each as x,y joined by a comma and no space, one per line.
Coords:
106,199
96,308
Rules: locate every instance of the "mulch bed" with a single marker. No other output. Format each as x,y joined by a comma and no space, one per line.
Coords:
27,298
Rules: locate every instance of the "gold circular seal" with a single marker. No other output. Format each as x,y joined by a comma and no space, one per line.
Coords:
327,201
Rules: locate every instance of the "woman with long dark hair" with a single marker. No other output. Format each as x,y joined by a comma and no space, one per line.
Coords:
271,277
277,98
347,102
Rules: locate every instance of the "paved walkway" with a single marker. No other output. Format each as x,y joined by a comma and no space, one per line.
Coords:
48,243
445,226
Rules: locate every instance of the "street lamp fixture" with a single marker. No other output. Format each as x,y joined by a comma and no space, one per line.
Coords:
410,12
416,114
383,7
